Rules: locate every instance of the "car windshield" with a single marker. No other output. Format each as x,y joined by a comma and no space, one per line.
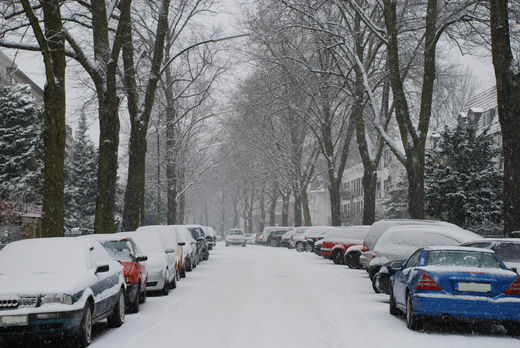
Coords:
119,250
44,256
508,252
235,233
461,258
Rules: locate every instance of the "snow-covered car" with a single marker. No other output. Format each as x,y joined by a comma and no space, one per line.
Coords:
251,238
189,249
399,242
311,236
456,282
168,236
351,257
317,247
210,235
340,239
508,249
267,238
59,287
378,228
127,253
158,265
296,236
202,245
235,237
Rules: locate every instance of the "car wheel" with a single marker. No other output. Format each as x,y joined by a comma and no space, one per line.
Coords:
300,247
134,305
413,322
166,287
308,247
189,266
84,336
183,272
337,257
173,283
393,308
117,318
244,245
273,243
374,285
512,327
142,296
227,244
352,260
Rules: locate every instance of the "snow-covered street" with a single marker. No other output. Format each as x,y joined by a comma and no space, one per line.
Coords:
275,297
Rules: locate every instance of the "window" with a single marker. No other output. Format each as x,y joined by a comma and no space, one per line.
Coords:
413,261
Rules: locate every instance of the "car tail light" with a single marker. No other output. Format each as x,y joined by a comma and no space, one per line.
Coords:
131,280
514,289
364,248
374,254
426,282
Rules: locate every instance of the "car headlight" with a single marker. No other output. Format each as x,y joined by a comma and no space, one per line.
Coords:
64,299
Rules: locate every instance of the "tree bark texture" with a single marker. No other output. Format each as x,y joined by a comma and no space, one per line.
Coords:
171,159
297,209
508,98
285,208
307,221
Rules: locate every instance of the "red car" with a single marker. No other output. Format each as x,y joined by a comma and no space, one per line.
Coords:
340,239
126,252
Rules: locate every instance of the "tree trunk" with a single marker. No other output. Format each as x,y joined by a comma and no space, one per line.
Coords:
305,207
285,208
158,175
262,212
508,97
415,172
250,213
235,212
369,195
182,197
272,207
297,209
54,119
107,163
171,158
222,214
335,202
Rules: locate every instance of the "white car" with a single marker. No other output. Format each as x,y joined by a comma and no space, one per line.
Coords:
236,237
189,249
59,286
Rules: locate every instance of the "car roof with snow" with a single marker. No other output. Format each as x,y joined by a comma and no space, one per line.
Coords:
456,248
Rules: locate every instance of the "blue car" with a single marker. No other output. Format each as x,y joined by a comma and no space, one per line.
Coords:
455,282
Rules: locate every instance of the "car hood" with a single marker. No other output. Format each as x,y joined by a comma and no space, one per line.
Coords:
45,283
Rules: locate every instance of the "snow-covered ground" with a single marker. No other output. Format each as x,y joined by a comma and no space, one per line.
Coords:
275,297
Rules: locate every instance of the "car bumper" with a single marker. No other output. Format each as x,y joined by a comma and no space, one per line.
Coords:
57,324
155,281
236,242
326,252
467,307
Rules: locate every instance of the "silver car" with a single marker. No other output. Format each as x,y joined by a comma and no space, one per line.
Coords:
236,237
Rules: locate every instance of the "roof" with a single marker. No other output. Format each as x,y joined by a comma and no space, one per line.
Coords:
457,248
482,101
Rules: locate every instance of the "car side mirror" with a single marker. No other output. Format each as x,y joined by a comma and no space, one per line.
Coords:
102,268
514,269
396,266
169,250
181,243
141,258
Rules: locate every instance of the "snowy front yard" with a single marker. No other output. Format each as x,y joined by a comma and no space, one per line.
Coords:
275,297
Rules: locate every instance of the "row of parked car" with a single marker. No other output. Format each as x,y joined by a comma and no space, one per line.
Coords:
428,268
60,287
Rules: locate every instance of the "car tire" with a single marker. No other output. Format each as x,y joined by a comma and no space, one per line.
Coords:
352,260
142,296
117,318
166,287
183,272
413,322
173,283
133,307
512,327
374,285
308,247
273,243
189,266
300,247
337,257
392,307
84,336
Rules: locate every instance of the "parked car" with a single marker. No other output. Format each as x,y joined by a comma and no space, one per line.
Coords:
210,235
59,287
251,238
189,249
235,237
158,263
317,247
126,252
202,246
508,249
297,235
168,236
399,242
378,228
275,237
285,240
456,282
340,239
267,239
351,257
312,235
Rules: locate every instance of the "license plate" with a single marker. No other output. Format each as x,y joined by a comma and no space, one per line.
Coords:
12,320
474,287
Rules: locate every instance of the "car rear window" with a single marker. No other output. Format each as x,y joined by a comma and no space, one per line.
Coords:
235,233
119,250
461,258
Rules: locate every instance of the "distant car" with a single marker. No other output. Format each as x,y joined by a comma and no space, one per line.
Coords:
158,263
235,237
456,282
58,287
189,249
267,238
125,251
340,239
378,228
202,246
399,242
508,249
297,235
250,238
312,235
275,237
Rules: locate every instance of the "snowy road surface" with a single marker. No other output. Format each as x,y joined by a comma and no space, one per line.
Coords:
275,297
